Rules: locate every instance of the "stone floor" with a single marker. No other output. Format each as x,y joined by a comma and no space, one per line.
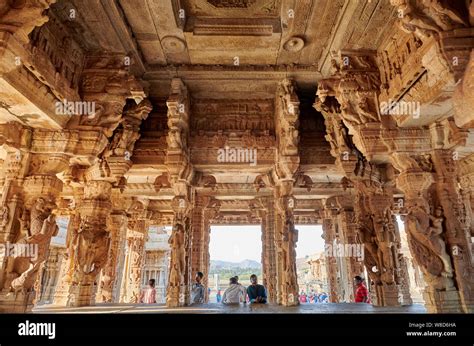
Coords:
343,308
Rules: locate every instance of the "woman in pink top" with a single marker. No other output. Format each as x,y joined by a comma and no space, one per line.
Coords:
148,295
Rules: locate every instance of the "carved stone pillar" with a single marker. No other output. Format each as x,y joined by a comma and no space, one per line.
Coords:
206,256
180,243
90,243
405,280
329,237
50,275
341,278
38,226
454,216
378,233
198,245
424,228
353,252
137,235
12,203
29,196
210,212
179,173
269,256
61,294
287,163
466,179
286,239
108,290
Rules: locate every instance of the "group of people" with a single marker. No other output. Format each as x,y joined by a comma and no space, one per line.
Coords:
236,293
361,294
313,297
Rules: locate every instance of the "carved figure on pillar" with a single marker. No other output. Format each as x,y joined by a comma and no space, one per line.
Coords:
179,244
429,248
42,226
90,248
90,242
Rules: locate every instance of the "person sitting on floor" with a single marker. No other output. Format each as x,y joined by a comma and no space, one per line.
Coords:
235,293
257,293
197,290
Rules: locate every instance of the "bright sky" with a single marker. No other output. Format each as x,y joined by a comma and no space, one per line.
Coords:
309,240
237,243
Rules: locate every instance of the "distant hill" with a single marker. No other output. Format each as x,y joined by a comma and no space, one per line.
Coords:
216,264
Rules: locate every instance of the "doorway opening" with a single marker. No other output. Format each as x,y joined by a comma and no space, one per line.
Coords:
310,265
234,251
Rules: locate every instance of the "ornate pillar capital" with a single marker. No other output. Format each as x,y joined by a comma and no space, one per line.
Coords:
106,85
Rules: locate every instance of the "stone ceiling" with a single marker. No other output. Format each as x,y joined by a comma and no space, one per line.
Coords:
231,55
276,38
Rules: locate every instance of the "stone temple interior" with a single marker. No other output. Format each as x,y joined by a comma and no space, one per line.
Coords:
125,116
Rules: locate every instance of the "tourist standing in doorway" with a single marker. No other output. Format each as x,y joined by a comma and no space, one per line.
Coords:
197,290
362,294
148,295
257,293
218,296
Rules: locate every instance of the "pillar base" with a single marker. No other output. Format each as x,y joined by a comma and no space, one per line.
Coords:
391,296
407,300
83,295
442,301
61,295
290,300
468,307
173,298
386,295
19,302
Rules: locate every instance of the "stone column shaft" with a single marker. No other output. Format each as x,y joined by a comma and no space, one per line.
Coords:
354,256
90,243
286,239
117,224
269,260
331,265
429,253
39,224
457,227
136,238
180,265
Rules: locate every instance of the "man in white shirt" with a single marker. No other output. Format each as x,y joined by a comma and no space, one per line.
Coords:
235,293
